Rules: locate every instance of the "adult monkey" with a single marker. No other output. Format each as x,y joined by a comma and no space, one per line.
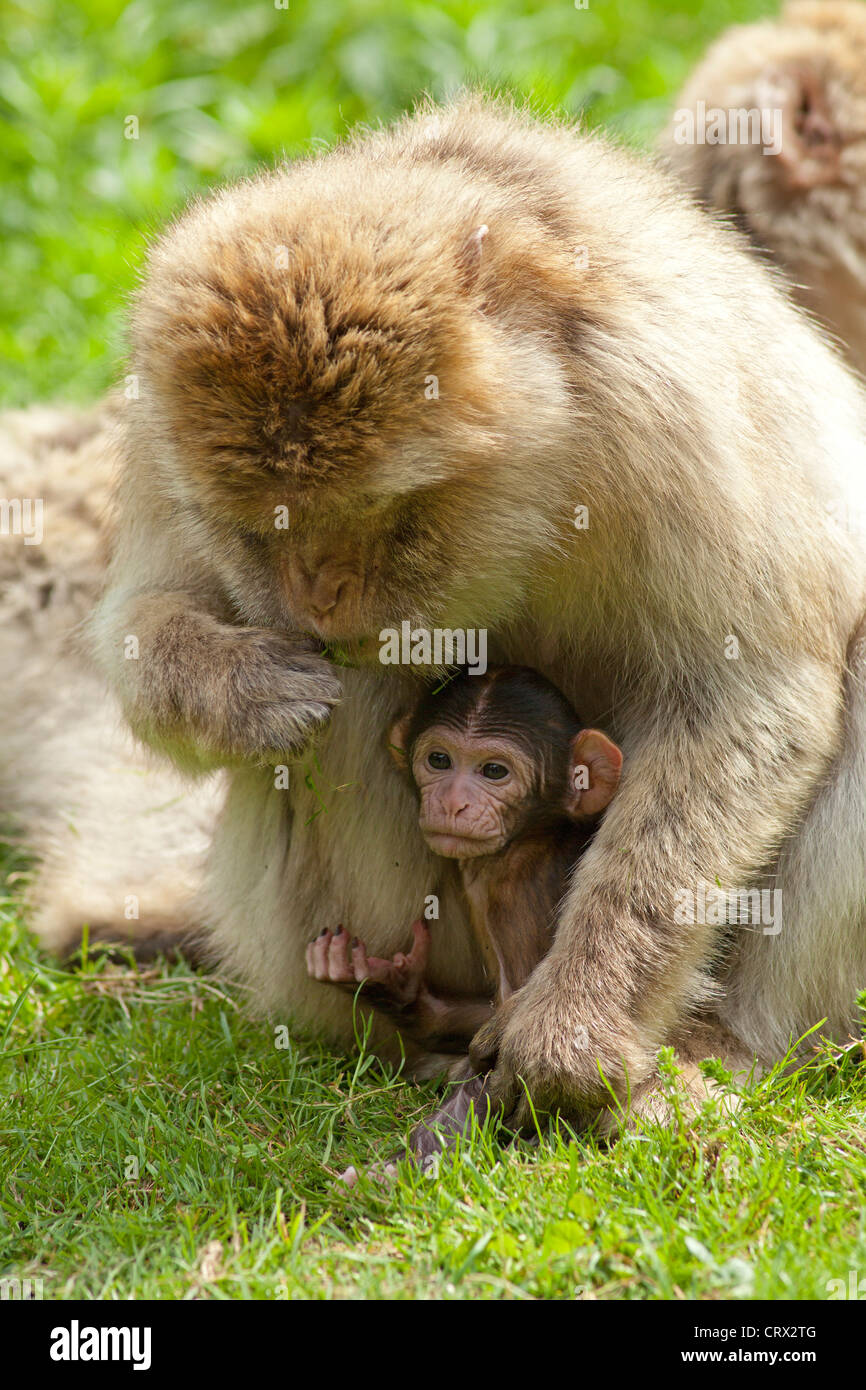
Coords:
429,402
804,203
119,837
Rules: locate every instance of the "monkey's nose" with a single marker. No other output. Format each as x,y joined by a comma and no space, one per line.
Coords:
325,596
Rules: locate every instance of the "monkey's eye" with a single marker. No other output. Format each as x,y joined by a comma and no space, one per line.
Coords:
494,771
439,761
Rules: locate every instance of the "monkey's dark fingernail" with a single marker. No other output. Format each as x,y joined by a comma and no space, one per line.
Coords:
339,931
323,932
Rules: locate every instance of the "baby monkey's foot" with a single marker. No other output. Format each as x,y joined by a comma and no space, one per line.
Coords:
336,959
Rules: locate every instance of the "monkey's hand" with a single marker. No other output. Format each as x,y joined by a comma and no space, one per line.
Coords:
392,986
548,1054
213,694
281,694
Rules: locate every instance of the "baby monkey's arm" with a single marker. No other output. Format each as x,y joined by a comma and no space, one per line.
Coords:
398,989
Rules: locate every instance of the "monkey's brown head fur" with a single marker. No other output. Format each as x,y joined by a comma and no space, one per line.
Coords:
293,345
334,340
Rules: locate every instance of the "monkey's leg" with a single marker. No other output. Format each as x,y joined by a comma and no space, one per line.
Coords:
810,966
664,1101
653,1101
119,842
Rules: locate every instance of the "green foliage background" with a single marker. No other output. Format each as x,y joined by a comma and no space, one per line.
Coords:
218,86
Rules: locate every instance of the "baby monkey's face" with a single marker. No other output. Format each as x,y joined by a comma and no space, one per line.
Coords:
499,757
476,791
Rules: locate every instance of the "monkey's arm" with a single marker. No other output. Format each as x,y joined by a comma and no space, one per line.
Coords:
442,1023
628,960
193,683
397,989
514,914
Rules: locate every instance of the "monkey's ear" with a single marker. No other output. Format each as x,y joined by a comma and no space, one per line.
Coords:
397,736
810,140
596,764
470,256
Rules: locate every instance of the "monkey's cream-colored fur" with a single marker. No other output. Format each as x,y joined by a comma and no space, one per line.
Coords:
609,348
807,204
115,832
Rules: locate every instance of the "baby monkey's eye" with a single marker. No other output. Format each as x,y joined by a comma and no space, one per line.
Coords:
494,771
439,761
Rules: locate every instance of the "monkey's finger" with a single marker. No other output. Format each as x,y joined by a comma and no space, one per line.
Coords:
384,1173
518,1115
339,967
507,1098
385,973
308,646
287,726
417,958
484,1047
317,956
502,1092
360,964
304,679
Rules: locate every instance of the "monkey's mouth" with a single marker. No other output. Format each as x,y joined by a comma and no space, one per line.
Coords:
353,651
450,846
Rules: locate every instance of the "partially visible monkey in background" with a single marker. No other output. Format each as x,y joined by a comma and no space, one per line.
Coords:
510,786
805,204
380,385
120,840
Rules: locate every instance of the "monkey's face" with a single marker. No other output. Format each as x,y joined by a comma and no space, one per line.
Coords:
475,791
785,106
440,558
445,556
439,528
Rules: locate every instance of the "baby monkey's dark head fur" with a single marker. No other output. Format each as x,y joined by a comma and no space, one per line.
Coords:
517,705
501,756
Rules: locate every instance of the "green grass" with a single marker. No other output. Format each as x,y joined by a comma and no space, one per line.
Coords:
236,1141
218,86
237,1144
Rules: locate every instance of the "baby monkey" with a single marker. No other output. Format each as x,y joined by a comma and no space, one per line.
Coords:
510,787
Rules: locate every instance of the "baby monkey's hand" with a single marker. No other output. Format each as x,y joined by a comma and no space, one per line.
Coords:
390,985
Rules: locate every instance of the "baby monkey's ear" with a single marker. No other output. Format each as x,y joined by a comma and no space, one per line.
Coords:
397,736
593,776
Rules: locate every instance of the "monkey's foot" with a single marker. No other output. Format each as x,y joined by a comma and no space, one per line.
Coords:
544,1058
438,1132
335,959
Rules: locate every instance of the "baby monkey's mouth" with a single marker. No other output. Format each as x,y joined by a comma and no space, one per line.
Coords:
449,845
